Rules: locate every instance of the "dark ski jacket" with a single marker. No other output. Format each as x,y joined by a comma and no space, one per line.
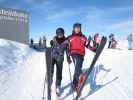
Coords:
58,48
111,36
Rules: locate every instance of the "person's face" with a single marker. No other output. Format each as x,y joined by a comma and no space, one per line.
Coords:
60,35
77,30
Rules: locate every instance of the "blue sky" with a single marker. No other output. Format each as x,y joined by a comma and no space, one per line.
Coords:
103,16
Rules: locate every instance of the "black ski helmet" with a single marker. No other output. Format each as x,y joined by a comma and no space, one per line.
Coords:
77,25
60,31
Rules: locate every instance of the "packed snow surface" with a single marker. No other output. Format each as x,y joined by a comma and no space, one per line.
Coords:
22,74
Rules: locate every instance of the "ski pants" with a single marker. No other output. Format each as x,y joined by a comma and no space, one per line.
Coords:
59,66
109,46
78,62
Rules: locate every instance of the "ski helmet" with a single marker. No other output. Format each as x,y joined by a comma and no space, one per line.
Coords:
60,31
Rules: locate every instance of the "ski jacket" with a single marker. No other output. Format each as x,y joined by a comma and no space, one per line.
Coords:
77,44
96,40
111,37
114,43
58,48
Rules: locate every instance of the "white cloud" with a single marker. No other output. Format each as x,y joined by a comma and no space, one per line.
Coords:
37,2
100,14
124,27
94,14
103,19
44,5
61,14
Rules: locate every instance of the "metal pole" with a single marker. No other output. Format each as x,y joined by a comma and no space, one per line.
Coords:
71,80
43,97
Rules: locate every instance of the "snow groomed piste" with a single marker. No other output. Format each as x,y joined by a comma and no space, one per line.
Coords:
22,74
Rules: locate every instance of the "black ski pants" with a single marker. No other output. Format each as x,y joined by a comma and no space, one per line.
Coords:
59,66
78,62
110,42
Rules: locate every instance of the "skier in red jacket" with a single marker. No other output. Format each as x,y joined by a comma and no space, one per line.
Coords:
76,45
114,43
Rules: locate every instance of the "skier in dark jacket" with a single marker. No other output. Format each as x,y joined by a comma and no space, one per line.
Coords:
77,43
111,36
58,48
31,42
96,41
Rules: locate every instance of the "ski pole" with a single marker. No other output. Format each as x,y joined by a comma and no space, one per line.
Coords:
43,97
71,79
45,79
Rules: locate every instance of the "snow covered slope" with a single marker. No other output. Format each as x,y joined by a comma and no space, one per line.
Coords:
22,73
111,79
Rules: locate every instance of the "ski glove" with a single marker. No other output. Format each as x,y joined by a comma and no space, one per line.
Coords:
51,43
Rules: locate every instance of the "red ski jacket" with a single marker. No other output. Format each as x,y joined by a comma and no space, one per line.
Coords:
77,44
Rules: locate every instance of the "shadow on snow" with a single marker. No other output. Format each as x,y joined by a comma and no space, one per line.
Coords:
92,81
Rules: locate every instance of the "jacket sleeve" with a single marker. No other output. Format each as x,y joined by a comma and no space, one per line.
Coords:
67,52
88,41
66,47
53,42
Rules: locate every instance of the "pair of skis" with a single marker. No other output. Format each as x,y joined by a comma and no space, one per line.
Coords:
84,76
88,71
